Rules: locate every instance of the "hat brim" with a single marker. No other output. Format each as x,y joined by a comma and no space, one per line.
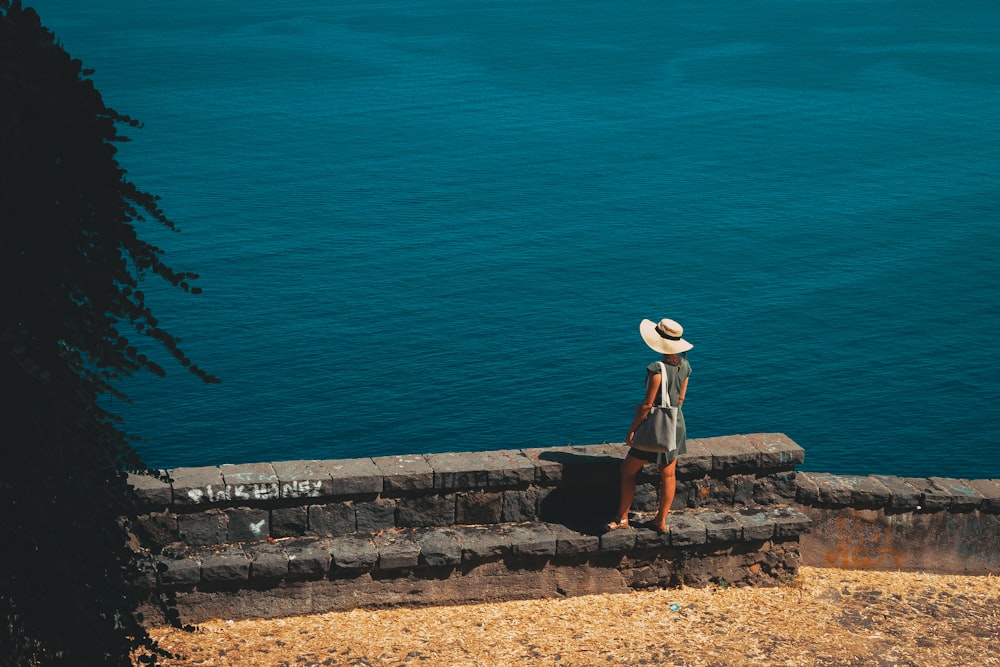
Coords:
647,329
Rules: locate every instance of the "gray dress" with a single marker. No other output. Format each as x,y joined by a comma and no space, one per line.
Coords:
675,379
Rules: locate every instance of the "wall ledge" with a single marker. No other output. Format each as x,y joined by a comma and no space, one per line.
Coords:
935,524
898,494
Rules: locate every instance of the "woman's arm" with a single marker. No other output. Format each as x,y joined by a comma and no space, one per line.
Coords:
684,390
642,410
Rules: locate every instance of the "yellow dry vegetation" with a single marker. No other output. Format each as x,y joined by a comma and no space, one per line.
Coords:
823,617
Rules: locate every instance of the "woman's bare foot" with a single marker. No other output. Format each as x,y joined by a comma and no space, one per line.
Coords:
660,525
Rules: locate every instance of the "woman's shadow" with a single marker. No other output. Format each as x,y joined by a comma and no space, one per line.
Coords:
587,492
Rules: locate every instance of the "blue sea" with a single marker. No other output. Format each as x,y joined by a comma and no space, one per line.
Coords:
434,225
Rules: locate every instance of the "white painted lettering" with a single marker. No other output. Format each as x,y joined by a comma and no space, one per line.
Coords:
300,488
265,491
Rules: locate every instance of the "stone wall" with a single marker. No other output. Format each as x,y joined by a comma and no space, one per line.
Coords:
885,522
292,537
297,537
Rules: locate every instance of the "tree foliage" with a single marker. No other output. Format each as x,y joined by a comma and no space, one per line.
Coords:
71,309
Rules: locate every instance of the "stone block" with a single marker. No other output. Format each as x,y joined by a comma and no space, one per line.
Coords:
532,540
439,548
481,470
544,494
404,473
357,477
334,519
648,473
620,539
508,469
198,486
308,559
176,571
247,524
697,492
353,554
989,489
548,463
777,450
732,453
742,487
647,497
250,481
964,496
203,528
154,492
697,462
579,465
681,493
324,479
830,490
144,578
479,507
648,538
289,521
520,505
869,493
376,515
903,497
431,510
788,521
156,529
932,497
775,488
483,543
455,471
807,490
268,562
757,525
229,565
721,526
304,478
591,465
395,551
570,543
721,491
686,530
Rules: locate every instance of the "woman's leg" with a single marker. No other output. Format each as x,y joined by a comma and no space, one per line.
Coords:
668,486
629,470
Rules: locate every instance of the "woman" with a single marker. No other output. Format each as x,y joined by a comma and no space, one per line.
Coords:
665,338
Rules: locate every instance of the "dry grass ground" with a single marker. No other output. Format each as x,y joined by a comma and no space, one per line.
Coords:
824,617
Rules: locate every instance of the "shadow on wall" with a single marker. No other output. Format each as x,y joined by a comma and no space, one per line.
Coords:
587,496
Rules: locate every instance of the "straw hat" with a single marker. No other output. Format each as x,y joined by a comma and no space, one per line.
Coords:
664,337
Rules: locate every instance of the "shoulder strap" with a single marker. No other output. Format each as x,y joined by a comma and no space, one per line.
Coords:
664,396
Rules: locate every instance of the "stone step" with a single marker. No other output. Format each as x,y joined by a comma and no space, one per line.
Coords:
396,552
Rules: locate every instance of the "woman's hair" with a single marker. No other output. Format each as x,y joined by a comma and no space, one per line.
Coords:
672,359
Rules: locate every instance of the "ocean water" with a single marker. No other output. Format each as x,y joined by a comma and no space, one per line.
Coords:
434,225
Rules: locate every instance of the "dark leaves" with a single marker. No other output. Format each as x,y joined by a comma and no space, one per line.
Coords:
72,323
